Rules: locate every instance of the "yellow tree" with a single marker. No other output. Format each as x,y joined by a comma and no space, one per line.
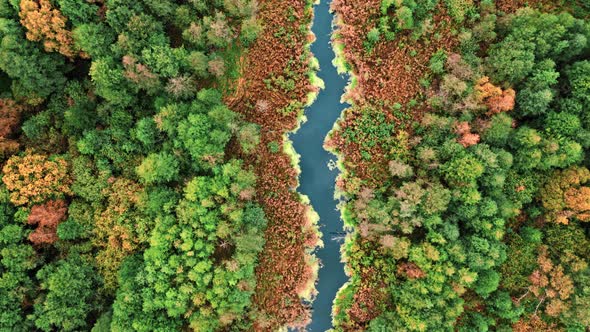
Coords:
35,178
118,231
48,25
550,283
496,99
565,197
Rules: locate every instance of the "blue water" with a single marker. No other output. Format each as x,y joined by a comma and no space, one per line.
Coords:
316,179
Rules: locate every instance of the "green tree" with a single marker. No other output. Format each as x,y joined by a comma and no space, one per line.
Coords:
499,130
578,82
373,36
249,137
146,132
199,63
18,260
250,29
510,61
158,168
94,39
35,75
464,169
405,19
68,295
204,135
218,31
110,82
78,13
538,91
487,282
563,124
196,256
164,60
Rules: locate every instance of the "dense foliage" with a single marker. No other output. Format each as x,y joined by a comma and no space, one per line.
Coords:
145,186
480,222
121,206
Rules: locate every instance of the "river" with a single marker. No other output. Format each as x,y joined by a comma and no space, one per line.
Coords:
316,179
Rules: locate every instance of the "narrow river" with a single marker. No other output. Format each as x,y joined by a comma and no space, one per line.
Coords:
316,179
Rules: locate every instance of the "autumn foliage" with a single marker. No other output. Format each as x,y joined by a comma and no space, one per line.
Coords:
9,116
100,111
490,189
365,304
282,272
140,74
534,324
565,197
115,230
550,283
46,216
410,270
9,119
48,25
35,178
496,99
467,138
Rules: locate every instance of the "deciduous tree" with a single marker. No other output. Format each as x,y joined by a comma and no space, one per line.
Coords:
34,178
68,295
564,196
46,217
47,24
158,168
10,114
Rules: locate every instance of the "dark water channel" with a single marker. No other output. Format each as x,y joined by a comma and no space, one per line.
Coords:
316,179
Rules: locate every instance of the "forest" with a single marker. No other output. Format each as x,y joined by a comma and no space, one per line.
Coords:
148,182
465,178
131,196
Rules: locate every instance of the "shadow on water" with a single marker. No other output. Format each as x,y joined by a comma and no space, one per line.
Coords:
316,179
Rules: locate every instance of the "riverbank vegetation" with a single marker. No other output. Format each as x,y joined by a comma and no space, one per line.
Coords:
144,185
277,82
464,166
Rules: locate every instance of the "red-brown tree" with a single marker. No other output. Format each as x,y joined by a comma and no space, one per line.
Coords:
46,216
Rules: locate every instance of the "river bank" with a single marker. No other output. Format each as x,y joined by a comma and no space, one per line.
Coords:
385,97
278,81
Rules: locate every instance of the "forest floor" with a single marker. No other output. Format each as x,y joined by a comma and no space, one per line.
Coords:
273,89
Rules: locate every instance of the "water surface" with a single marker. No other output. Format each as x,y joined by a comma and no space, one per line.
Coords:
316,179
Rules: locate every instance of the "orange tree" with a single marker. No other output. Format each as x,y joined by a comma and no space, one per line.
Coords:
34,178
